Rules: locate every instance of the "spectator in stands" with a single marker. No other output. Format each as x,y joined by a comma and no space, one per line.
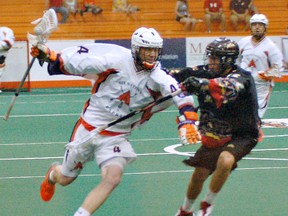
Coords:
90,6
72,7
183,16
253,9
124,6
6,42
58,6
214,12
286,30
240,13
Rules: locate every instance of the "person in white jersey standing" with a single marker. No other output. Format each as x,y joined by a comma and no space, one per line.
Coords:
126,81
7,40
260,55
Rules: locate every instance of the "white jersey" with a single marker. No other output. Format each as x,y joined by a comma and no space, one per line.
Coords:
120,88
260,57
6,40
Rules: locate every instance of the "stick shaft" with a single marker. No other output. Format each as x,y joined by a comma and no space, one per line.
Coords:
7,114
129,115
92,133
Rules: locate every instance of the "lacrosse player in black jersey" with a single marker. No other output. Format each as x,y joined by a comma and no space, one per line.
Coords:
228,122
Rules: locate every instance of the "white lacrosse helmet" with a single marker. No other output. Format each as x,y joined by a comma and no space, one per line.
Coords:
259,18
145,37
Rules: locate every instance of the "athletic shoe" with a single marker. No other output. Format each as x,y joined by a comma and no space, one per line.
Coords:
97,10
181,212
47,188
205,209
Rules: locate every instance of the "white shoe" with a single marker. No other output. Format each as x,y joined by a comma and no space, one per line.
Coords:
205,209
0,91
184,213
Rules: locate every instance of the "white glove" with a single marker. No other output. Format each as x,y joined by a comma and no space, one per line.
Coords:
271,73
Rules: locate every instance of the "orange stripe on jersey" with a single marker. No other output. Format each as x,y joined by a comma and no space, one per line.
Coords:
75,129
86,105
86,125
102,77
103,133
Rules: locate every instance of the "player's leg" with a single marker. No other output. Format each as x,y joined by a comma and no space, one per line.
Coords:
112,155
194,188
63,174
73,162
234,151
223,168
263,98
112,172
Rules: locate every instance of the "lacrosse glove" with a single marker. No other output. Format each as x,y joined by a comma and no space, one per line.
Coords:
194,85
268,75
187,129
43,53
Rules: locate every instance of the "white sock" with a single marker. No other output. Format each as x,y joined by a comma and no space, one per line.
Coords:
82,212
51,179
210,197
188,204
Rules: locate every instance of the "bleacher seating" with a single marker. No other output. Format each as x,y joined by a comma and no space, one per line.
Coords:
18,14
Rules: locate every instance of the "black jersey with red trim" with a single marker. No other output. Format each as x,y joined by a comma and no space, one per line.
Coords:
229,107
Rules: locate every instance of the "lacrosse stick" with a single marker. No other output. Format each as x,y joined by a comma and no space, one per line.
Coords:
92,133
44,27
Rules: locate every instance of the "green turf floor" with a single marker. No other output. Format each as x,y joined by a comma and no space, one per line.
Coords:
154,185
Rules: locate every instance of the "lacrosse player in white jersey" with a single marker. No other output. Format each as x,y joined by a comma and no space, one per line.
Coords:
126,81
260,55
6,42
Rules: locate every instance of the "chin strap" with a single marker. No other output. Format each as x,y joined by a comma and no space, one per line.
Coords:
148,65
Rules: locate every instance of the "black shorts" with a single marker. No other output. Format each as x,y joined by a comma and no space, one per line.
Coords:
207,158
178,18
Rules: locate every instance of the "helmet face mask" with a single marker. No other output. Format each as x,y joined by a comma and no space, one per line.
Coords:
220,55
146,38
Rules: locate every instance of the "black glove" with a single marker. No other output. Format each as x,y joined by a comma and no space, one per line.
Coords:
194,85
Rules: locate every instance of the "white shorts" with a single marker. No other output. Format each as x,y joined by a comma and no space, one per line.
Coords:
98,148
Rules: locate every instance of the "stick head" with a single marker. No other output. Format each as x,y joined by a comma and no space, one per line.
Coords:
44,27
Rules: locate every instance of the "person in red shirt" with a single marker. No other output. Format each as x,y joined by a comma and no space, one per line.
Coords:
214,12
58,6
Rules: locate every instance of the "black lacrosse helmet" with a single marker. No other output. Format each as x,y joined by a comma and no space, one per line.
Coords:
226,50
